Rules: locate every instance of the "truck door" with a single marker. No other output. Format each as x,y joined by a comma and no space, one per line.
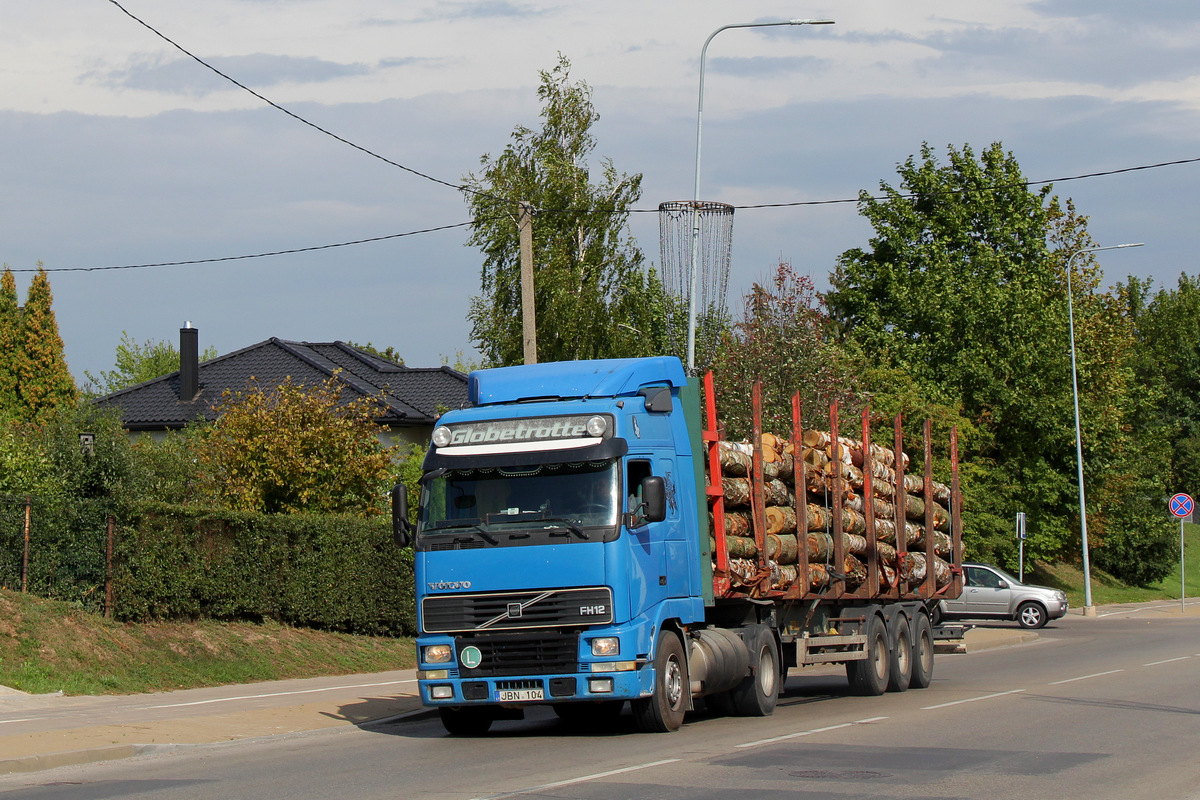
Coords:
648,584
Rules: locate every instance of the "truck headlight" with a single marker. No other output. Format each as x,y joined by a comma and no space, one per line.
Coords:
441,436
436,653
596,426
606,646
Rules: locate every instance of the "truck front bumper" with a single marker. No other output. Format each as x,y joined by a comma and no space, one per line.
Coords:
511,690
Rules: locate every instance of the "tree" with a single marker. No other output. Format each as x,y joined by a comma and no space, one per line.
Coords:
10,344
294,448
963,292
593,298
43,380
137,363
783,338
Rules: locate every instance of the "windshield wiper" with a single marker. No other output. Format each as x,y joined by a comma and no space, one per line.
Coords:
570,526
475,526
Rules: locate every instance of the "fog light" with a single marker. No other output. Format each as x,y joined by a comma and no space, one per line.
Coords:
606,646
596,426
441,692
433,674
436,654
600,685
441,436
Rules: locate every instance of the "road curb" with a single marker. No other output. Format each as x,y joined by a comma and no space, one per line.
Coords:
70,758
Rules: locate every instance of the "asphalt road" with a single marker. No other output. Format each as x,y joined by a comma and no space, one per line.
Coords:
1096,708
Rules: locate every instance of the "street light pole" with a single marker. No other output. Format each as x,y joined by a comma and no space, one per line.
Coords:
1089,610
691,340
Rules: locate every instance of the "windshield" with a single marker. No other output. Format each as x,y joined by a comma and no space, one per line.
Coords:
540,496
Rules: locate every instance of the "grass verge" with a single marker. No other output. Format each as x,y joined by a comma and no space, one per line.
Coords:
1106,589
50,646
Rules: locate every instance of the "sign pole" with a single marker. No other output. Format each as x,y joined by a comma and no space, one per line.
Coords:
1182,505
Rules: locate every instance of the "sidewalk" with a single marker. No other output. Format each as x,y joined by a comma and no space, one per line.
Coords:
45,731
40,732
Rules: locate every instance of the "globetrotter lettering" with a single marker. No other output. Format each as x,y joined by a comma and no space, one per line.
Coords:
442,586
519,430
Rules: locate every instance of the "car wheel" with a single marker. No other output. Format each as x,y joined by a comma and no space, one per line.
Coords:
467,721
869,677
757,694
922,668
900,657
663,711
1031,615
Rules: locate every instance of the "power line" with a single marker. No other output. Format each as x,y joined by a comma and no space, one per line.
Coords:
297,117
253,255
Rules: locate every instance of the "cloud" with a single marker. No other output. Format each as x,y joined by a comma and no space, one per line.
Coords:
761,66
484,9
257,70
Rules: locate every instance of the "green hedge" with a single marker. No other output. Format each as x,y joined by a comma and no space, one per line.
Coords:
331,572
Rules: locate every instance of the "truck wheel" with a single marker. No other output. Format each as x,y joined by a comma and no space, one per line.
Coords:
935,614
466,721
900,658
757,694
869,677
922,659
1031,615
663,711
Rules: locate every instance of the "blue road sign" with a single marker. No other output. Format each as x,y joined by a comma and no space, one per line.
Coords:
1182,505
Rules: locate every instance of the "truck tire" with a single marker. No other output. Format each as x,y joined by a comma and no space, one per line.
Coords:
663,711
922,658
900,657
466,721
1031,615
869,677
758,693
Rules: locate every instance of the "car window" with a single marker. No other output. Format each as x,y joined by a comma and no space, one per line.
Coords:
987,578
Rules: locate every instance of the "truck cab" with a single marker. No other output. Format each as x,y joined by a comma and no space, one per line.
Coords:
558,538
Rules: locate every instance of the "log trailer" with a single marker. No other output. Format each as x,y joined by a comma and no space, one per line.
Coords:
576,546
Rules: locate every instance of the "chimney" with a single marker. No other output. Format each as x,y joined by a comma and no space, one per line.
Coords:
189,363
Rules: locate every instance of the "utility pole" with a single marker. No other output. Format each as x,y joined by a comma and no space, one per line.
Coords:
528,313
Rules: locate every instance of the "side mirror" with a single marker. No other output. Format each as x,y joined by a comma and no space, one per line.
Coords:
401,530
1003,584
654,498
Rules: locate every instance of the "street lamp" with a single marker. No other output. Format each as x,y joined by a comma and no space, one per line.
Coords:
1089,610
691,341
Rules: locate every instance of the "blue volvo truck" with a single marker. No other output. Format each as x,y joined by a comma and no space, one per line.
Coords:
565,555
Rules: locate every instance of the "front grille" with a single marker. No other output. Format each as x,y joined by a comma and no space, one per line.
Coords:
542,653
536,608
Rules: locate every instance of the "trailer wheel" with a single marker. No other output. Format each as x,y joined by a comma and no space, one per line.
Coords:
900,657
466,721
758,693
869,677
663,711
922,659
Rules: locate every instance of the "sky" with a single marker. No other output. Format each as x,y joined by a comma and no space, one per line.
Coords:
118,150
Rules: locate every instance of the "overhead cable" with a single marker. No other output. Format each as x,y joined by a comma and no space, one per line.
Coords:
297,117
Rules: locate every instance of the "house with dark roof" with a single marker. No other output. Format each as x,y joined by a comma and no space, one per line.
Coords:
409,399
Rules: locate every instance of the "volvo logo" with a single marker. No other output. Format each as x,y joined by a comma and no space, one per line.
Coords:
514,610
442,586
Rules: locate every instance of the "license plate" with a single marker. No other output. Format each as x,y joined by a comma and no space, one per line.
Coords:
519,695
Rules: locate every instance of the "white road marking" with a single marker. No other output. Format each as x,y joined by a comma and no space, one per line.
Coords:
27,719
276,694
972,699
582,779
1085,677
798,734
1167,661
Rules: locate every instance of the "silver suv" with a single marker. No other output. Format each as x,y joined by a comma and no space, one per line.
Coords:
991,593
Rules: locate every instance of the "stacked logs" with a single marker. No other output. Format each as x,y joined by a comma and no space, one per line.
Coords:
783,540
